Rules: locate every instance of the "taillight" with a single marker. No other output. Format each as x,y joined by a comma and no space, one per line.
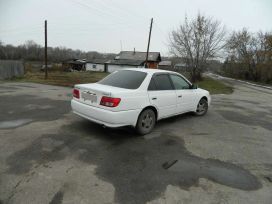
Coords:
110,102
76,93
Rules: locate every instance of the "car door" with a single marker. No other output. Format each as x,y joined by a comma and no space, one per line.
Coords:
162,95
185,95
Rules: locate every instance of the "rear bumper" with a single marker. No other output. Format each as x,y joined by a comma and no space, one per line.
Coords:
105,117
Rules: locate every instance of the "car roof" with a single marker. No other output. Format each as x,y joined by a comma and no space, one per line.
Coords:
146,70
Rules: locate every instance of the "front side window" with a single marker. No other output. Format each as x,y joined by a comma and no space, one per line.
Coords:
179,82
124,79
162,82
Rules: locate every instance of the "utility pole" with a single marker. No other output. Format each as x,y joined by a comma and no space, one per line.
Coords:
45,49
147,52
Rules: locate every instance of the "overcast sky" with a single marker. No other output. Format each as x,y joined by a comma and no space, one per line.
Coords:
109,25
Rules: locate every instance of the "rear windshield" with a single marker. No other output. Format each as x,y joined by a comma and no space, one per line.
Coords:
124,79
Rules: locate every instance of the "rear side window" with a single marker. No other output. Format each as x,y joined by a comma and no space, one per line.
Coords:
152,85
124,79
162,82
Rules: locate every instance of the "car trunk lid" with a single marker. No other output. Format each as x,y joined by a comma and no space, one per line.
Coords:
91,94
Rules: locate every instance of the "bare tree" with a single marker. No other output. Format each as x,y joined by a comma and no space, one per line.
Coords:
264,49
2,52
240,46
197,41
249,55
31,51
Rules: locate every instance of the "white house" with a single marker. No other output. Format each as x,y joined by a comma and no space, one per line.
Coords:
98,65
124,59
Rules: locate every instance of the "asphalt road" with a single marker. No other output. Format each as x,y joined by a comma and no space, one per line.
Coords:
49,155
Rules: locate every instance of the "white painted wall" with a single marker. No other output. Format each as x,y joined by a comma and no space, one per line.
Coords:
94,67
111,67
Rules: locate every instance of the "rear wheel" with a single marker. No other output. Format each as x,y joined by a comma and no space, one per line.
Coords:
146,122
202,107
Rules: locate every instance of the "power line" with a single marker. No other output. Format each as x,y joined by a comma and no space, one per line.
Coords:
93,8
21,27
61,27
129,11
108,13
125,11
161,31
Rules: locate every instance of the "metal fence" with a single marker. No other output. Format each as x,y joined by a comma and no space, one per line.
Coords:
11,68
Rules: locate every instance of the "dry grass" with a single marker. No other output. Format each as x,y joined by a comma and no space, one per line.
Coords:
62,78
72,78
214,86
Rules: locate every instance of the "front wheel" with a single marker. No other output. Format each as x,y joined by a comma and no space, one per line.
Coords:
146,122
202,107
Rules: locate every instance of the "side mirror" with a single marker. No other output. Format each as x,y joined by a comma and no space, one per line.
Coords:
194,86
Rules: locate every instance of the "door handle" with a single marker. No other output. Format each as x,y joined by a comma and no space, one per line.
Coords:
155,98
180,96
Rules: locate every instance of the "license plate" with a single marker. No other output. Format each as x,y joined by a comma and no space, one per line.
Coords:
87,96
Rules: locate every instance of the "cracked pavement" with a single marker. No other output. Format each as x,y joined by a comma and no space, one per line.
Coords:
49,155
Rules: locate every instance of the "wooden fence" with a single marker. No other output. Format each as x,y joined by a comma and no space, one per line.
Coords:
11,68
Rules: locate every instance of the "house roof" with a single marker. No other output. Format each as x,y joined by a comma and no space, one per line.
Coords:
165,63
180,65
75,61
130,62
98,61
131,55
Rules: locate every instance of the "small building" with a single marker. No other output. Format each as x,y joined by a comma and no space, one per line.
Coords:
114,65
98,65
181,67
166,65
74,65
134,59
153,61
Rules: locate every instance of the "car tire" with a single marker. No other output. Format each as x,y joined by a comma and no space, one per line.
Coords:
202,107
146,122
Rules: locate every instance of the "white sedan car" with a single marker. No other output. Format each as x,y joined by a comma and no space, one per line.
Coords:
139,98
